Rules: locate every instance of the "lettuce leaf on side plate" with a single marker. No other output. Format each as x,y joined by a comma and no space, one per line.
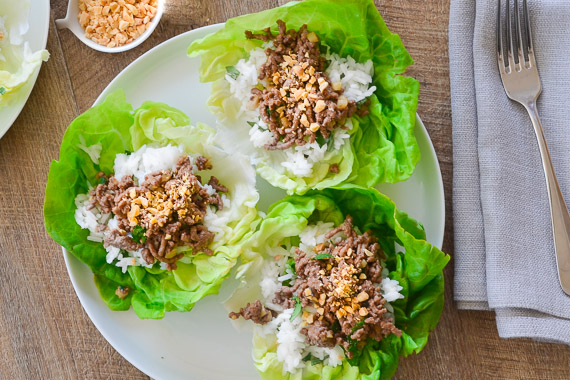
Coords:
113,127
382,145
418,269
17,61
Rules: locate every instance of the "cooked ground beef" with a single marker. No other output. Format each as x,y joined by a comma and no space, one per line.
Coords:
122,291
114,238
300,102
202,163
343,287
165,211
255,312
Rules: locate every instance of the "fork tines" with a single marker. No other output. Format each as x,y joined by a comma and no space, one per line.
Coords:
519,40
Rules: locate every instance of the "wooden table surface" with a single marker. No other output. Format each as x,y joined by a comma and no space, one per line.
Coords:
44,332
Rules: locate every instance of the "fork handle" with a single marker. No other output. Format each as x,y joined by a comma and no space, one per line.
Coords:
558,209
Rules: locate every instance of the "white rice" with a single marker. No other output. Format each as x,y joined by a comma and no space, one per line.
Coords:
144,161
259,134
247,79
270,283
356,80
314,234
355,77
290,341
391,289
147,160
291,344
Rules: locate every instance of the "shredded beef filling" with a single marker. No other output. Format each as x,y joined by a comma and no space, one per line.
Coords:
300,103
341,282
164,212
255,312
334,168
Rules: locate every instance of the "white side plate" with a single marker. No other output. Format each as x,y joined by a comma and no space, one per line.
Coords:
37,37
203,344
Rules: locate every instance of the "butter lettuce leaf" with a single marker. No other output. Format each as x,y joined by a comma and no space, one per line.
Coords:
382,146
118,128
415,263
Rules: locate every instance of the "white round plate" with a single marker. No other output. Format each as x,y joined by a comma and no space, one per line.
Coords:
203,344
37,37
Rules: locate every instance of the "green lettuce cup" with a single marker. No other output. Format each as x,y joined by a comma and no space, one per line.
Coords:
112,136
362,56
295,238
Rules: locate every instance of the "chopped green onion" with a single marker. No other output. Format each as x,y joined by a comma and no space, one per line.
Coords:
314,360
139,234
232,72
353,348
329,142
291,265
358,326
335,327
2,90
297,310
322,256
321,140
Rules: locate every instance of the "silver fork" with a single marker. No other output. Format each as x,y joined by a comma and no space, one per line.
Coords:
522,84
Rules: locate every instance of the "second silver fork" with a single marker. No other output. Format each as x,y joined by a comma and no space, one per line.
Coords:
520,79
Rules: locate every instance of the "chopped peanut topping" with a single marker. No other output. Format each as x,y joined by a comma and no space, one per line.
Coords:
115,23
321,105
314,127
342,102
361,297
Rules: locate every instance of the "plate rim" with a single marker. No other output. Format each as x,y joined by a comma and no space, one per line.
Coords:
68,257
107,90
32,81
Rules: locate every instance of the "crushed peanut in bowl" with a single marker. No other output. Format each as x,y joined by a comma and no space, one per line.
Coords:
114,23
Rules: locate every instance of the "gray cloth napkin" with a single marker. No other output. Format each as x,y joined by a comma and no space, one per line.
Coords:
504,254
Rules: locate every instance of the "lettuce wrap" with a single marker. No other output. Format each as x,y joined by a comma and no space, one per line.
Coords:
90,146
411,261
382,144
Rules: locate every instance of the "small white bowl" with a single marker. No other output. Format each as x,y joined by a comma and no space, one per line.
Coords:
71,22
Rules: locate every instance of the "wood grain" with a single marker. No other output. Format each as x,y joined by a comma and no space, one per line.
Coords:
45,332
